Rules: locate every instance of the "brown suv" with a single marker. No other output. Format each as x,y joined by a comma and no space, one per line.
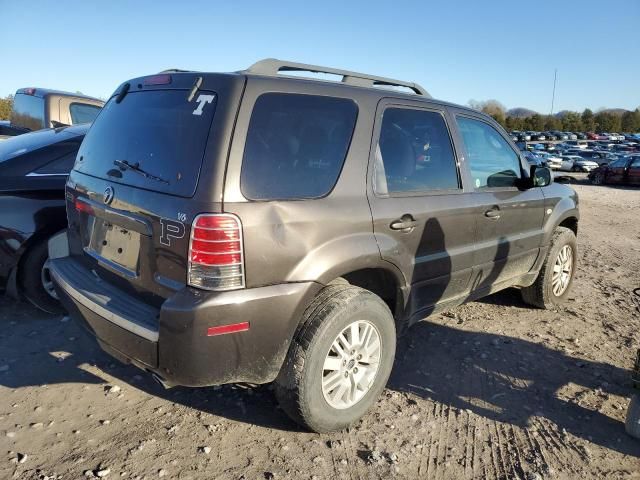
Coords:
256,227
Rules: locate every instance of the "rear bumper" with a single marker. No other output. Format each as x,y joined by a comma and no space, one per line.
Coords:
172,342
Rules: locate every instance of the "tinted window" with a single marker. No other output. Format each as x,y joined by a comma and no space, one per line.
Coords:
296,145
156,129
28,142
635,163
82,113
492,161
414,152
619,163
28,111
60,166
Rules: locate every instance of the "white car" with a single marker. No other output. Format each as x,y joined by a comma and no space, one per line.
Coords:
553,162
574,163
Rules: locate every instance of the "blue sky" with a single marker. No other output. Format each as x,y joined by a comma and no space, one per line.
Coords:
458,50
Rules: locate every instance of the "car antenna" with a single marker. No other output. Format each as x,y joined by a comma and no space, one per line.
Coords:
123,92
194,89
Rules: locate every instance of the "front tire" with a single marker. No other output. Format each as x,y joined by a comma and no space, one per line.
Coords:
555,278
36,282
598,179
340,359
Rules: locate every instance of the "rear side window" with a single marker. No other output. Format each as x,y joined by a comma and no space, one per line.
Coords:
83,113
492,161
60,166
296,146
414,152
28,112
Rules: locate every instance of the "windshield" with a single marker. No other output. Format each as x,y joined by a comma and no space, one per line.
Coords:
159,132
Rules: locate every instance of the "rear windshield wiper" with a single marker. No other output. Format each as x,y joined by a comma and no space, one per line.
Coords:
124,165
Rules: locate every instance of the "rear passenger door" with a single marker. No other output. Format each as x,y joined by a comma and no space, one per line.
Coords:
509,219
423,218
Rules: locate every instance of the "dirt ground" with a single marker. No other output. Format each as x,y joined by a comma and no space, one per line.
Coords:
492,389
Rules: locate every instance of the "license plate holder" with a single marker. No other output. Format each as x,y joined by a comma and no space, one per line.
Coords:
114,245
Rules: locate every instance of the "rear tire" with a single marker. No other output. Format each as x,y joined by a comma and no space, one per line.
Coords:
555,278
335,370
35,280
632,423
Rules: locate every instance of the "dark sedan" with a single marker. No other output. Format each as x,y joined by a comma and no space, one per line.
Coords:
624,171
33,172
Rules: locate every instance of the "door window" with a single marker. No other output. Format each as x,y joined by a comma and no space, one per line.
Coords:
635,163
414,153
492,161
621,163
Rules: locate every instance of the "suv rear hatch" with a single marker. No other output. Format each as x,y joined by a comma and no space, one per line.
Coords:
133,192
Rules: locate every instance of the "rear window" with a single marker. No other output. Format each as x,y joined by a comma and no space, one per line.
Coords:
159,131
28,112
296,146
28,142
83,113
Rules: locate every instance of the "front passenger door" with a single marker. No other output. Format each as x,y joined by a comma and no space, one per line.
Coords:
509,220
633,174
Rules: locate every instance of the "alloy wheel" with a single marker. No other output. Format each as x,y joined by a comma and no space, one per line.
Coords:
47,282
562,270
351,364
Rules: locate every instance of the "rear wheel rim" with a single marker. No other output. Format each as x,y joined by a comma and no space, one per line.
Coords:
562,270
47,282
351,364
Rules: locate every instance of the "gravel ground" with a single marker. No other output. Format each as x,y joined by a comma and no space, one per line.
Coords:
492,389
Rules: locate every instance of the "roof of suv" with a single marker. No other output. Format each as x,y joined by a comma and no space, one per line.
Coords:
271,67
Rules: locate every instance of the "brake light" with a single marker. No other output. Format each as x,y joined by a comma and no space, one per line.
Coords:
162,79
216,258
83,206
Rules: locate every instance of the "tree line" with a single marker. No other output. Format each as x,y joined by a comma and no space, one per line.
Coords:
587,121
6,104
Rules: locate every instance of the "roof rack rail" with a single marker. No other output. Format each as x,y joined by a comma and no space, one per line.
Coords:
272,66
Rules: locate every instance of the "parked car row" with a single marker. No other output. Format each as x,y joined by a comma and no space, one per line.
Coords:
555,135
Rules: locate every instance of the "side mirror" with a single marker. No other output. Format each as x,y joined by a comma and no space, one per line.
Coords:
540,176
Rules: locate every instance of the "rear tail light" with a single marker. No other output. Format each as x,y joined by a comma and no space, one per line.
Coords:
82,206
216,258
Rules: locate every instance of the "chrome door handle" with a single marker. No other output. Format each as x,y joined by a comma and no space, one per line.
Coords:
493,213
404,224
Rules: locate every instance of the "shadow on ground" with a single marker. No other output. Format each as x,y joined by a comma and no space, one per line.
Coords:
501,378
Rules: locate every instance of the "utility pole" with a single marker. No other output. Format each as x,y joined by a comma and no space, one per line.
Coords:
553,96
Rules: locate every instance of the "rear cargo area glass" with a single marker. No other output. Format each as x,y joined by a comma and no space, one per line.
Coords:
160,131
